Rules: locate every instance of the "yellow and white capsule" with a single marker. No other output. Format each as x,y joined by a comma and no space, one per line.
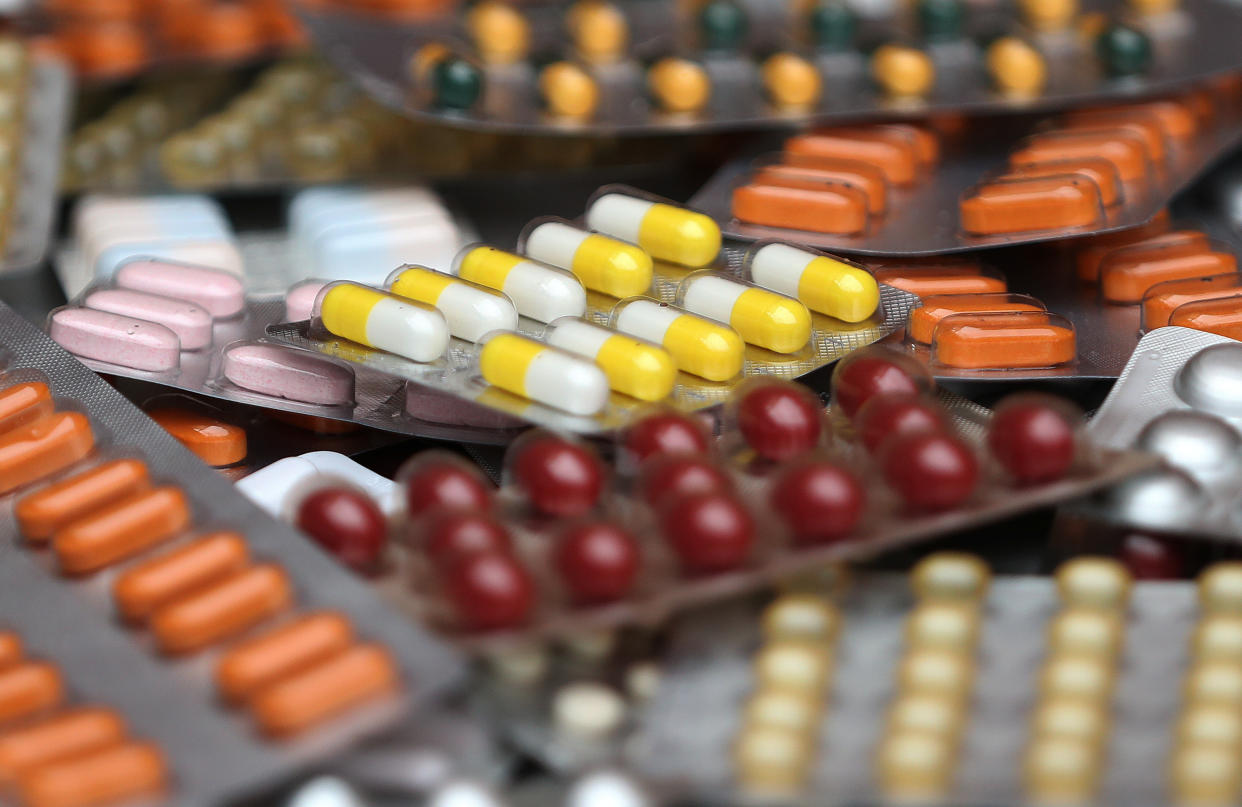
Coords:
763,318
542,373
603,264
634,367
700,346
471,310
383,321
537,290
819,282
666,232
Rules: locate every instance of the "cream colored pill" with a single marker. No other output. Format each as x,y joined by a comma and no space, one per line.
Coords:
914,764
1060,769
1210,723
795,664
1218,682
588,710
767,758
790,709
1220,587
927,712
944,624
1218,637
1094,582
1205,774
950,576
1077,675
1086,630
801,616
936,670
1070,716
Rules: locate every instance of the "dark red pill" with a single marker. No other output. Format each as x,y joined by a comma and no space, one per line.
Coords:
1150,558
449,535
818,501
598,562
664,433
860,378
709,532
1034,442
558,477
931,472
445,485
662,479
347,524
490,591
895,413
779,420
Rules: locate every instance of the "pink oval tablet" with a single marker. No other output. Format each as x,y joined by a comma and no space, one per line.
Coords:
287,373
435,406
300,300
191,323
219,292
124,341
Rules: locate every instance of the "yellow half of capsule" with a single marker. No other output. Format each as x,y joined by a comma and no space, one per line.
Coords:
345,308
705,349
838,290
613,267
488,266
682,236
423,285
636,368
771,320
505,359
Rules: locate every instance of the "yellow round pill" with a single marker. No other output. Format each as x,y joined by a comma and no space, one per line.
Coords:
1094,582
568,91
902,72
798,665
771,759
1069,716
801,616
926,712
1060,769
1077,675
1211,723
788,709
791,81
1016,68
599,30
936,671
1048,15
947,625
1218,637
500,33
1205,774
1086,630
915,764
950,576
1152,7
1218,682
1220,587
679,85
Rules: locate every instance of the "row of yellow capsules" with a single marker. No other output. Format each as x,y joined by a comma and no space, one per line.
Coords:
218,634
738,64
886,189
955,688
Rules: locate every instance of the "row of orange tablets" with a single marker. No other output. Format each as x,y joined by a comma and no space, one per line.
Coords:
57,755
204,592
1068,177
835,180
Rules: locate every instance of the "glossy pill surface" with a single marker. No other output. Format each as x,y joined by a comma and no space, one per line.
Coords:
220,293
469,309
120,530
538,291
43,447
538,372
294,375
383,321
603,264
45,511
264,659
228,606
666,232
115,339
191,323
140,590
820,282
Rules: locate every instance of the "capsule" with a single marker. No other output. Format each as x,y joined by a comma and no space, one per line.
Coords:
1088,258
331,686
601,263
824,206
44,512
68,734
700,346
120,530
665,231
29,688
383,321
1030,204
228,607
123,772
43,447
1003,341
24,403
250,666
1094,169
898,159
634,367
139,591
1219,316
1124,150
469,309
929,281
796,171
1163,299
538,291
924,319
535,371
1127,274
761,317
822,283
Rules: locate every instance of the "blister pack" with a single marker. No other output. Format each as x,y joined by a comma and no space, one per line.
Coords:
634,67
218,635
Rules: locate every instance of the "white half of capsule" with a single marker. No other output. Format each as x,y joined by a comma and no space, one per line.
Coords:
471,313
544,293
713,297
575,385
579,337
406,330
779,267
555,243
647,319
618,215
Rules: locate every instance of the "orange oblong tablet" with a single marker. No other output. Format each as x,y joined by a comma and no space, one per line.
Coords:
67,734
923,320
866,178
11,649
926,143
834,207
948,278
1221,316
1004,341
279,653
121,530
145,587
29,688
1087,259
325,690
1097,169
224,30
1143,125
213,441
1125,150
43,512
1030,205
897,159
1177,121
222,609
43,447
123,772
1162,299
1126,274
24,403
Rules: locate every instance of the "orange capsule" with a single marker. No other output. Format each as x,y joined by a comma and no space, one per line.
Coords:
121,530
24,403
1177,120
281,652
1096,169
1004,341
213,441
866,178
899,160
147,586
1030,205
1163,299
29,688
1142,125
942,278
1127,273
923,320
107,49
67,734
43,447
833,207
224,31
43,512
11,649
325,690
1123,149
1221,316
1088,258
926,143
223,609
123,772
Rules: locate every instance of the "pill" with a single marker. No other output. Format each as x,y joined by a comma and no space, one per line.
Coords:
1161,300
601,263
1204,774
535,371
633,367
1086,630
470,309
1093,582
950,576
1068,716
1088,258
801,616
538,291
568,91
1077,675
47,510
784,709
123,772
300,299
43,447
810,172
144,588
260,661
1215,682
761,317
921,711
924,319
944,624
903,72
1218,637
1145,127
1125,278
1004,340
213,441
1209,723
897,158
1095,169
29,688
795,664
791,81
383,321
120,530
220,293
68,734
326,689
927,281
1220,588
500,33
191,323
10,649
1015,67
115,339
699,346
914,764
283,372
227,607
599,30
1030,205
1176,118
24,403
771,759
1123,149
1060,770
823,283
587,710
679,86
825,206
1219,316
936,670
666,232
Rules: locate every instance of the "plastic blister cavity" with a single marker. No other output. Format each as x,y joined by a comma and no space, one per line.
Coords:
1003,340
